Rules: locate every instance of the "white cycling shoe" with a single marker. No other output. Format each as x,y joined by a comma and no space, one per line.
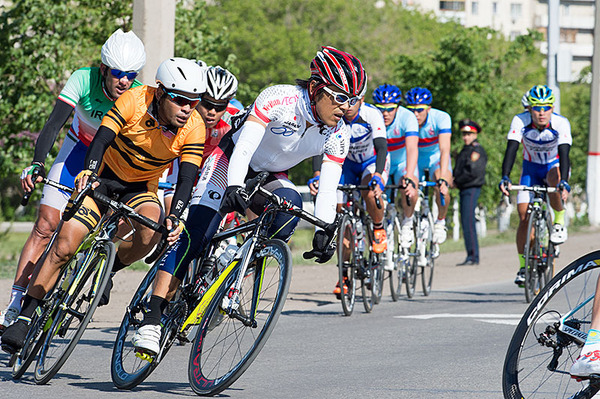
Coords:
558,234
147,339
407,235
586,365
439,233
7,317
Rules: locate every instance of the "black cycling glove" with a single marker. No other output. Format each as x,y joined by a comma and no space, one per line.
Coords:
322,250
235,199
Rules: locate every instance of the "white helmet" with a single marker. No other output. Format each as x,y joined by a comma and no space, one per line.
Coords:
201,63
124,51
220,83
181,74
524,100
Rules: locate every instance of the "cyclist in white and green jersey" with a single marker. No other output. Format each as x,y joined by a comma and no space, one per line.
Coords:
91,92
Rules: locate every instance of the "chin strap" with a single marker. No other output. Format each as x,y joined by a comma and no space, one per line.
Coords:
313,102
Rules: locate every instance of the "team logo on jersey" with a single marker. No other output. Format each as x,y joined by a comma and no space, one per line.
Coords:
293,124
282,130
214,195
150,123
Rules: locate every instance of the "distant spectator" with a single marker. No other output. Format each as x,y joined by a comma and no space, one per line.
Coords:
469,176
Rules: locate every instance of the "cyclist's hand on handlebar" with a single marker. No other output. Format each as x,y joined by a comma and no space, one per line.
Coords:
444,186
410,188
505,185
377,184
235,199
564,189
313,183
32,174
175,227
323,249
82,179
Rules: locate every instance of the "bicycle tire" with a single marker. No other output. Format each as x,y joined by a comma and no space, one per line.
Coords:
547,271
62,337
394,275
532,253
377,274
528,370
128,371
410,275
347,269
427,271
221,337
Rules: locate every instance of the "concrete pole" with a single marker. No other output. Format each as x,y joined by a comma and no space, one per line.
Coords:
154,24
593,164
553,43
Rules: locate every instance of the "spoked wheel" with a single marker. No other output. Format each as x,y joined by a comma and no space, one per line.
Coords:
548,251
377,275
128,369
230,336
549,336
427,270
75,311
412,267
366,281
533,254
394,254
346,248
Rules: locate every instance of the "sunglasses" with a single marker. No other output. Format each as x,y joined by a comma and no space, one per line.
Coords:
417,109
210,105
386,109
182,100
540,108
341,98
117,73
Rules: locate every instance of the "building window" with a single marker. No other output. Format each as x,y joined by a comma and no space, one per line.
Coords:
452,5
494,8
516,10
475,8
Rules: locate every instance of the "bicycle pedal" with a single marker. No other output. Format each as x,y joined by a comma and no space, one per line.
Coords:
145,356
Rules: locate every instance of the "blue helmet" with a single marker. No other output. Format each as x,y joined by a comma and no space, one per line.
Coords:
418,95
540,94
387,94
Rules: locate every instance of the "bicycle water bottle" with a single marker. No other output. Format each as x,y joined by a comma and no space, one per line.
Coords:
226,257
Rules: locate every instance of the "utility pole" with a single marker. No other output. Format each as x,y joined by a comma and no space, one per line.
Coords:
553,43
154,24
593,164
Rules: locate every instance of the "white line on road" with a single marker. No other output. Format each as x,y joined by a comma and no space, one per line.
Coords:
494,318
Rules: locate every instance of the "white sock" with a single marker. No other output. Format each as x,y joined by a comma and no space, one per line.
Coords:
407,220
16,295
441,221
592,343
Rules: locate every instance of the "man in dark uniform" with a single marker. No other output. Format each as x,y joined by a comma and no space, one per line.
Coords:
469,176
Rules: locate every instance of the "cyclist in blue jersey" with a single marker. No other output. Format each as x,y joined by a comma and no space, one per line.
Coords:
547,140
435,131
91,92
402,134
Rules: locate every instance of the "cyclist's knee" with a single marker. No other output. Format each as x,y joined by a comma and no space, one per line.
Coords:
46,223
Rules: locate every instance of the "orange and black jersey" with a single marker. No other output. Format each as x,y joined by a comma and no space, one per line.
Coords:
143,149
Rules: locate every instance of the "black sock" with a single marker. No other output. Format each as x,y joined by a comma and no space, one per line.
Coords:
157,306
118,265
377,226
29,305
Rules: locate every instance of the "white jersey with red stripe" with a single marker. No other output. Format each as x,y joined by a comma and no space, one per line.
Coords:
366,126
287,140
540,146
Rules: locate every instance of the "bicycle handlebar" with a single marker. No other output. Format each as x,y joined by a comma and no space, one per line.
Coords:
535,189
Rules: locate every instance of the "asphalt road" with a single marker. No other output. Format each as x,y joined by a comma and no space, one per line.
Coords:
448,345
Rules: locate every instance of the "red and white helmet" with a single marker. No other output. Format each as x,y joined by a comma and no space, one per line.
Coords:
335,67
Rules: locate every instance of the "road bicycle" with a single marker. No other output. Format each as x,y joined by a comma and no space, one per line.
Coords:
396,257
59,322
423,251
540,253
550,335
234,310
356,259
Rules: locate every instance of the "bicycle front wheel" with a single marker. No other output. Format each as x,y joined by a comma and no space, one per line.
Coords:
231,336
549,336
346,248
377,275
532,257
393,255
427,270
76,310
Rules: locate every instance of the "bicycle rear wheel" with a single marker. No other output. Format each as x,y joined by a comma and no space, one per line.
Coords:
532,257
346,248
225,346
75,310
541,353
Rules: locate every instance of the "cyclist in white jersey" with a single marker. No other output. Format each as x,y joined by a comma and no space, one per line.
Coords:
91,92
435,131
547,140
216,111
367,163
402,131
285,125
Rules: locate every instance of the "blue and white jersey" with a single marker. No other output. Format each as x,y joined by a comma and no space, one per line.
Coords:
405,124
540,146
366,126
438,122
